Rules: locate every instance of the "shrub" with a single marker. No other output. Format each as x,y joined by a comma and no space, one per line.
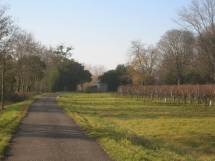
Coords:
88,89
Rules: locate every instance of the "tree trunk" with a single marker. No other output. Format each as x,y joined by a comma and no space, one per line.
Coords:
3,73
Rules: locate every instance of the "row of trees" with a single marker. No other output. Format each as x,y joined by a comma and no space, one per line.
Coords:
27,66
182,56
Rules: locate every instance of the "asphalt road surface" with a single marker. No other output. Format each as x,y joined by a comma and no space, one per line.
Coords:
47,134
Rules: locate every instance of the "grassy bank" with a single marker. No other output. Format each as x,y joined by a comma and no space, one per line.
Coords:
10,119
134,130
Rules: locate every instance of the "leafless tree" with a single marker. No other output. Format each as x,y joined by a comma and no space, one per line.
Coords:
142,61
46,55
96,70
24,44
199,17
176,48
7,30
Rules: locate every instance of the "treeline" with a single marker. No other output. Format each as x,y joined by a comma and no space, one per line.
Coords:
181,56
27,66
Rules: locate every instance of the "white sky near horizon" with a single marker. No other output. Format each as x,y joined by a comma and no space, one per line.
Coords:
100,31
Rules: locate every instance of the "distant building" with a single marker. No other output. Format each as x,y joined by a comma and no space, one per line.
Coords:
100,87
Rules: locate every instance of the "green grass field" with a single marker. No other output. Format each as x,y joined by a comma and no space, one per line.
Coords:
134,130
10,119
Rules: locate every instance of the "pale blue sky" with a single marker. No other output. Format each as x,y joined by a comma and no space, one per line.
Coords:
99,30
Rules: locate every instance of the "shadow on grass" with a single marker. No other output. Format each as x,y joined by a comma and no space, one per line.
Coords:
200,142
130,110
117,135
198,147
158,112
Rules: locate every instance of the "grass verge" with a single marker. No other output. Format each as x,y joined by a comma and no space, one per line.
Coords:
10,119
131,130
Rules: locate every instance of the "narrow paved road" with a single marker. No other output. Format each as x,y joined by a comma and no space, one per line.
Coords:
47,134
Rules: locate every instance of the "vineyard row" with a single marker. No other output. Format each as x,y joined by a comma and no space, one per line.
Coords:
192,94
